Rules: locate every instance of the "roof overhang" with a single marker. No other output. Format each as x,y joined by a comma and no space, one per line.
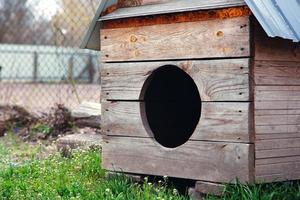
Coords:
277,17
91,39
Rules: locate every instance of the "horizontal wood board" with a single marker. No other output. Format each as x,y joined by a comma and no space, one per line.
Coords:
203,39
217,80
277,72
218,122
274,49
198,160
277,108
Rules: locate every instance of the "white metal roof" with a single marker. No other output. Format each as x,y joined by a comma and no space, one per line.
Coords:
278,17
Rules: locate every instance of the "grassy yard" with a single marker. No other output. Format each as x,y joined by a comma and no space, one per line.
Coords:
25,174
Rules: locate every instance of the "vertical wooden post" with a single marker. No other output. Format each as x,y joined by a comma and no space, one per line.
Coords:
71,68
35,66
91,69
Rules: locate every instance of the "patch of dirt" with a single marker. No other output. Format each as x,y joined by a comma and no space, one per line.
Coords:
33,128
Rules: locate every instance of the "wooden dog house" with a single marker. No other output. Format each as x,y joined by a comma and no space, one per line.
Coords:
196,89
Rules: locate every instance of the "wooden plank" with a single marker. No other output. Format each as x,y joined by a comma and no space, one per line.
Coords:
277,129
277,120
277,73
277,93
281,171
284,104
218,122
274,153
277,97
217,80
278,177
274,49
277,144
208,161
283,135
217,38
278,117
279,160
277,112
181,17
209,188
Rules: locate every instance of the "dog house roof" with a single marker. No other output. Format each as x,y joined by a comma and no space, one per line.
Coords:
277,17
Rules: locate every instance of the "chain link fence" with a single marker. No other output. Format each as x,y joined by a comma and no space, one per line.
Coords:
40,62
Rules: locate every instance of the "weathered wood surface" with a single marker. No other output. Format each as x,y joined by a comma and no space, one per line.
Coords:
217,80
277,97
274,49
278,144
86,109
278,172
219,121
181,17
278,160
87,114
209,188
277,93
208,161
273,153
217,38
277,73
278,129
277,108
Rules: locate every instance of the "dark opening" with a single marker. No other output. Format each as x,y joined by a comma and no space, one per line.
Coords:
172,105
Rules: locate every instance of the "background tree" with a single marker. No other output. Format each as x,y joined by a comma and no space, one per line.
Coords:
19,25
71,22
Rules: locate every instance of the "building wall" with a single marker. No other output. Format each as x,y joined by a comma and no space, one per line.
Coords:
215,53
277,107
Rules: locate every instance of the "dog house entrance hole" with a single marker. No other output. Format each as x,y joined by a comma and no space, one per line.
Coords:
171,107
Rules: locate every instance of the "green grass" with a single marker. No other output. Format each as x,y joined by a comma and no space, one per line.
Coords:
81,177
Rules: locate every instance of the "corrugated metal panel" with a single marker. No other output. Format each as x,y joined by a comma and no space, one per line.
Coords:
278,17
171,7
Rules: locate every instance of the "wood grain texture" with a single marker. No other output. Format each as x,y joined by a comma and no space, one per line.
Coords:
278,129
217,38
209,188
278,172
278,169
181,17
277,109
277,73
208,161
274,49
278,160
277,97
219,121
217,80
274,153
277,144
